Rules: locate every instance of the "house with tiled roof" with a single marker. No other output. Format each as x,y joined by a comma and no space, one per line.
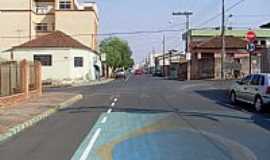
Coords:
262,39
206,58
63,58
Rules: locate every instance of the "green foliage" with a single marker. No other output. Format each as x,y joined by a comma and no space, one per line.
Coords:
118,52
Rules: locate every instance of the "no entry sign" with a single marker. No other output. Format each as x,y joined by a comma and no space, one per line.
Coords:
251,36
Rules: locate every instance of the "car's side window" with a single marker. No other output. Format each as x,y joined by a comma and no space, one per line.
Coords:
262,80
246,80
255,80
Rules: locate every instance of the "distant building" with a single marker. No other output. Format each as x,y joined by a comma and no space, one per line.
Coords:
24,20
206,58
263,39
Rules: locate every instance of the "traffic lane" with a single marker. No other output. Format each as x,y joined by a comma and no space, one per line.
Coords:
110,87
214,115
142,134
58,136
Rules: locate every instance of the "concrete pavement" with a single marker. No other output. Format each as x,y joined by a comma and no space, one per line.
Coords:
147,118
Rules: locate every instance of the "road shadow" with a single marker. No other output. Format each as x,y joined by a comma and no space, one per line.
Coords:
262,120
221,97
115,109
151,110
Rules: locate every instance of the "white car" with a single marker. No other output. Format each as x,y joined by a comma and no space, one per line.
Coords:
120,74
253,89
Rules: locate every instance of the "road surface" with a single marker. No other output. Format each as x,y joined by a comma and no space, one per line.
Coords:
147,118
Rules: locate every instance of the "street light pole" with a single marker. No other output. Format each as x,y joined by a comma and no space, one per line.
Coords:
223,52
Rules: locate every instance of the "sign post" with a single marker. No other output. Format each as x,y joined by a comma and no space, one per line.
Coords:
251,47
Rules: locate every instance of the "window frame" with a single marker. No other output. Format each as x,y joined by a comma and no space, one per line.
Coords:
41,57
43,27
65,5
78,62
255,81
246,80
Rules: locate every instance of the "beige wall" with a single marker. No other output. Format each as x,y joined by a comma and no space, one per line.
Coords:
16,24
86,23
13,25
14,4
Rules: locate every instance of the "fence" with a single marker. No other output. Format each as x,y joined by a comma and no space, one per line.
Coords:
19,81
9,78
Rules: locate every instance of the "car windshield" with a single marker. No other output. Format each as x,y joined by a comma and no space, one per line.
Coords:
134,80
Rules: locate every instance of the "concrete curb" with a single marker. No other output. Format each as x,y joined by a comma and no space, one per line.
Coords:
20,127
93,83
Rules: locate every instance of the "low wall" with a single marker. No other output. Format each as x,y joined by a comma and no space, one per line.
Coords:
25,77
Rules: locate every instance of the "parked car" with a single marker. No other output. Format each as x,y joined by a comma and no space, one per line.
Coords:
138,72
253,89
120,73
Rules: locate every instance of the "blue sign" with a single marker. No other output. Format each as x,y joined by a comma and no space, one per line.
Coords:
251,47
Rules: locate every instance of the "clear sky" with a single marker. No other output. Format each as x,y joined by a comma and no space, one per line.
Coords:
136,15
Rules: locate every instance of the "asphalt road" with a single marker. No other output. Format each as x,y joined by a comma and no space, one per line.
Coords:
147,118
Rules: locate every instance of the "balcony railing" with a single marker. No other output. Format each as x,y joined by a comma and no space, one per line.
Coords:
44,9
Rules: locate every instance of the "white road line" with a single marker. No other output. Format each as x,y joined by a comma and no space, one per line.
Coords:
109,111
113,104
104,119
90,145
115,100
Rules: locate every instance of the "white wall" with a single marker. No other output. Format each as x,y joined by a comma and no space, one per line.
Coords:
62,63
87,72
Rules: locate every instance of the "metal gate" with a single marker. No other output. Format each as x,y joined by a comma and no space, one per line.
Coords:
207,66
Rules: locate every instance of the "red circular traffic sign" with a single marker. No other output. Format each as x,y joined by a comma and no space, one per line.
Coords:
251,36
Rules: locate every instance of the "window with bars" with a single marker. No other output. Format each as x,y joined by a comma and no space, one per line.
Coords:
44,59
42,27
78,61
65,4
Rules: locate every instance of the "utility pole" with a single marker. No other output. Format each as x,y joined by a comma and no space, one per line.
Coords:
187,14
223,52
164,52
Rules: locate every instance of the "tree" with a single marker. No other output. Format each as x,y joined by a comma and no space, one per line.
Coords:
118,53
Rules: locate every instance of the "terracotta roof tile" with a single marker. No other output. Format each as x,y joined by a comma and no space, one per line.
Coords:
216,43
55,39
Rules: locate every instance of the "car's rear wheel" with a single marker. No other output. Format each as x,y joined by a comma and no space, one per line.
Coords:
233,97
258,104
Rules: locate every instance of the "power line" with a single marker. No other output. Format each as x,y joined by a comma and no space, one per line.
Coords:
219,14
113,33
251,16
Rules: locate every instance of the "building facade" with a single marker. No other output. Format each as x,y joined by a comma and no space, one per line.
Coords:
24,20
262,39
63,58
206,60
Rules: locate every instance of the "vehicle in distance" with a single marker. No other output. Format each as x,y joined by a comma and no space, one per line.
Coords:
253,89
138,72
120,73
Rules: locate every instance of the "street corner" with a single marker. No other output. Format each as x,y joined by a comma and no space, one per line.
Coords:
132,136
19,117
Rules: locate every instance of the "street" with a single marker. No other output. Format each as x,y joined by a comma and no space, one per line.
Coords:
147,118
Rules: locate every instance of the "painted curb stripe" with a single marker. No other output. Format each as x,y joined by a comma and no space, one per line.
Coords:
20,127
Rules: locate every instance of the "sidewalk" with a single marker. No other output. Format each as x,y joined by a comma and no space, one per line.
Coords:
79,83
14,119
92,83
